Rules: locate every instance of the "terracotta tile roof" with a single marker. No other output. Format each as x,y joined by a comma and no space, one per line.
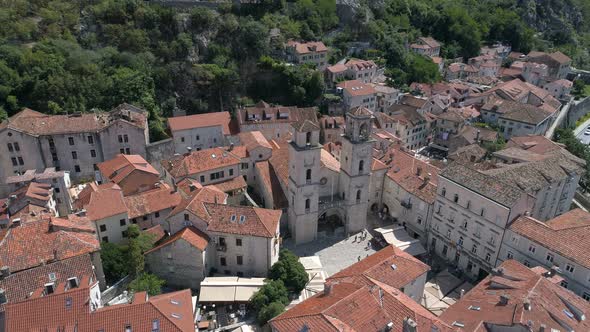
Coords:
403,170
358,64
157,231
469,133
193,201
200,161
280,163
486,185
35,242
380,266
173,311
39,191
350,307
221,119
331,122
517,111
272,184
430,41
191,235
534,143
105,202
19,286
151,201
357,88
307,47
232,185
253,139
337,68
557,234
550,304
35,123
263,113
377,165
328,161
73,223
255,222
122,165
519,91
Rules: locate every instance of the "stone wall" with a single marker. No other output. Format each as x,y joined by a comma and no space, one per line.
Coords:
159,151
577,110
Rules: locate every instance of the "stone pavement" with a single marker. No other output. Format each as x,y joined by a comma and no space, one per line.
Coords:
335,252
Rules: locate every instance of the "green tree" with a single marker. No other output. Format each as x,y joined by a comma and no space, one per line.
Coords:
289,270
579,89
147,282
272,291
269,311
114,261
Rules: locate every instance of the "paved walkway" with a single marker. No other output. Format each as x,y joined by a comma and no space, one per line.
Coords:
442,291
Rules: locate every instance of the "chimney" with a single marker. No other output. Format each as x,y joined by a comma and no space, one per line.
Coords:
327,288
462,293
410,325
188,150
5,272
527,305
504,299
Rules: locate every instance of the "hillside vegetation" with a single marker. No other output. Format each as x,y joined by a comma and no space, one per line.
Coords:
59,56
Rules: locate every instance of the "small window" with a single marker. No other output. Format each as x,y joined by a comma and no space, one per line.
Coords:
105,239
74,155
307,204
10,148
182,139
222,261
474,249
127,150
16,147
77,168
532,248
103,228
308,175
202,178
122,151
238,242
483,212
21,161
460,242
157,214
444,192
126,138
120,137
456,198
564,284
569,268
186,217
198,137
90,140
240,260
71,140
549,257
93,153
145,217
586,296
488,257
122,222
231,172
509,255
526,263
14,161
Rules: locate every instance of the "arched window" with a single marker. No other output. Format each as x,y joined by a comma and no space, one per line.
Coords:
363,131
444,191
308,137
308,175
307,204
361,166
358,195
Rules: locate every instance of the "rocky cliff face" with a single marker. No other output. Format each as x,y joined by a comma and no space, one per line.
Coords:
551,15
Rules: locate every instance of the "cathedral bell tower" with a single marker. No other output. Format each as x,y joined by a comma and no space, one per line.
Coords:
304,176
355,167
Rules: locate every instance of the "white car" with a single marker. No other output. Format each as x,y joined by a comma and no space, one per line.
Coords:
587,132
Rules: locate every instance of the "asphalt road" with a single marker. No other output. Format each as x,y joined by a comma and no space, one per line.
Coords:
583,137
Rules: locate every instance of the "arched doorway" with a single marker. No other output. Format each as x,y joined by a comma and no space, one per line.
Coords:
330,221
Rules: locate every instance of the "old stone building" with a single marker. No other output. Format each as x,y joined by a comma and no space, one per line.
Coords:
75,142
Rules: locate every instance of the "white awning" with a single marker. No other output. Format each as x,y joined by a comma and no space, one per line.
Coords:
229,289
397,236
